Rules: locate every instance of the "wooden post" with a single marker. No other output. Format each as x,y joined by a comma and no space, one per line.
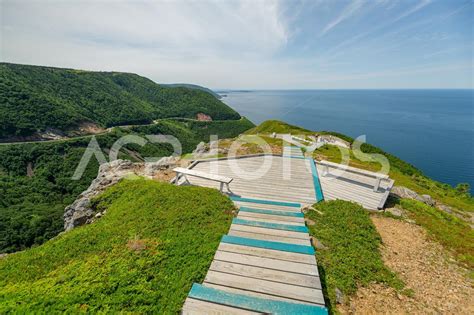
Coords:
377,184
222,187
325,170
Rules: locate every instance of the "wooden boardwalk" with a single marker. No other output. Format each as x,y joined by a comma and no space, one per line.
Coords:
265,264
285,178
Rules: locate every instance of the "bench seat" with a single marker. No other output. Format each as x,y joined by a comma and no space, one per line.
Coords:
190,172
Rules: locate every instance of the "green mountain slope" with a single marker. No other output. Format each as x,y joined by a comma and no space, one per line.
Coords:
142,257
34,98
32,203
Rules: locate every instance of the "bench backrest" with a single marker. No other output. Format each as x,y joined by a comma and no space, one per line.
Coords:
353,169
191,172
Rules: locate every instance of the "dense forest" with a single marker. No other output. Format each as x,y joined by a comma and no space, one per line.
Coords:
36,184
34,99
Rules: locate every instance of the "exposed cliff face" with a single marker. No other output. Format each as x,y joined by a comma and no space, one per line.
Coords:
80,211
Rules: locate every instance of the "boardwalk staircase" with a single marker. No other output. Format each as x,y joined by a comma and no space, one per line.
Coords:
265,264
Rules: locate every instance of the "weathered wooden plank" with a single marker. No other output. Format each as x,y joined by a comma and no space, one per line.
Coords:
209,176
268,202
272,212
273,238
268,253
255,294
272,263
276,226
259,230
285,247
263,286
272,216
266,274
268,207
245,301
272,219
195,307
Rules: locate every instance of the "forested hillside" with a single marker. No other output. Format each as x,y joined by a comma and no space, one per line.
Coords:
36,184
34,99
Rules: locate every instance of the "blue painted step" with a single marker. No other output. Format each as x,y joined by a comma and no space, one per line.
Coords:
247,302
273,212
266,202
275,226
317,184
285,247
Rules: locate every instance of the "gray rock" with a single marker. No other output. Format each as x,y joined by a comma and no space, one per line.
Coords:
3,255
339,296
80,211
200,148
444,208
403,192
395,211
162,164
428,200
317,244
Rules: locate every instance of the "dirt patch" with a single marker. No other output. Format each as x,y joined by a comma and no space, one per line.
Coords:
203,117
247,148
87,128
436,284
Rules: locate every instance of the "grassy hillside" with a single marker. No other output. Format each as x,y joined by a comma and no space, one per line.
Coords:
142,256
32,205
34,98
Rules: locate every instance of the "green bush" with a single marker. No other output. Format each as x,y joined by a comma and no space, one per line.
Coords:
352,257
155,240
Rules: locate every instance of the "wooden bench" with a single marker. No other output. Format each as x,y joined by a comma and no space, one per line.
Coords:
378,177
180,171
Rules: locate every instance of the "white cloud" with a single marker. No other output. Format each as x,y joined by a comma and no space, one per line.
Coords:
57,32
419,6
220,44
348,11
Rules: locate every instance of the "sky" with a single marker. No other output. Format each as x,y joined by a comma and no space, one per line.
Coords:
307,44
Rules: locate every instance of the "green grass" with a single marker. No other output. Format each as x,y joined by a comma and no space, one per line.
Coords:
453,233
142,256
352,257
270,126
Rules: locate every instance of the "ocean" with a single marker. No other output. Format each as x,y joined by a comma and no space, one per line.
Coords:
431,129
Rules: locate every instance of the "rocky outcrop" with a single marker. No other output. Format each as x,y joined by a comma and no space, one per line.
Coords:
403,192
204,150
80,212
151,168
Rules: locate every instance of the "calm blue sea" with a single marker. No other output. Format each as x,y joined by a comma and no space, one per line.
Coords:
432,129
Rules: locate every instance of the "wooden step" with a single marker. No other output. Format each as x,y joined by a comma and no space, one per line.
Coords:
285,247
268,253
271,218
273,212
271,263
266,237
268,202
250,303
276,226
